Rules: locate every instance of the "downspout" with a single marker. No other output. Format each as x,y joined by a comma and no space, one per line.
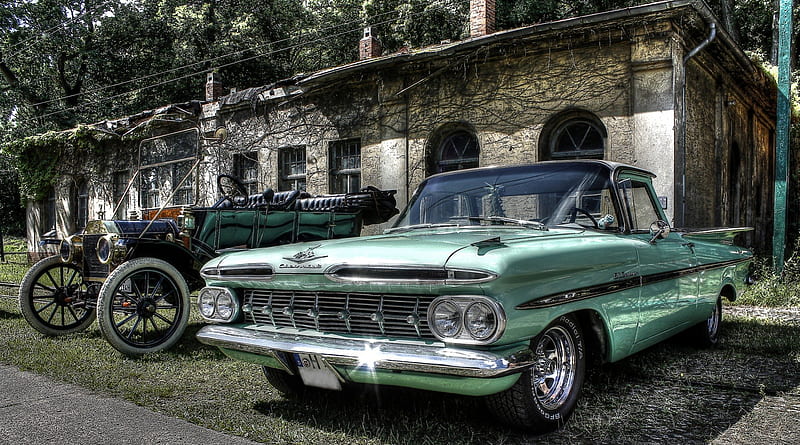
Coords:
407,147
711,36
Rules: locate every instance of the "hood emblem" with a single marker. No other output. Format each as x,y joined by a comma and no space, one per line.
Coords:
305,256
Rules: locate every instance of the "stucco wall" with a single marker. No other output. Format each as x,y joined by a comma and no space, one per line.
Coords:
507,95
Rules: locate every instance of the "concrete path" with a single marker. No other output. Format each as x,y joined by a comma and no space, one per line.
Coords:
37,410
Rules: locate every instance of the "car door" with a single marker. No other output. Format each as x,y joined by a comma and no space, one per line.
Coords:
666,265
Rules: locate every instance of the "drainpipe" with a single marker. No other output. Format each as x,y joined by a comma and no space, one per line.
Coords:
406,103
711,36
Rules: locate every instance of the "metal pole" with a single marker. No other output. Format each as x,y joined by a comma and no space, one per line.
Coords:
782,132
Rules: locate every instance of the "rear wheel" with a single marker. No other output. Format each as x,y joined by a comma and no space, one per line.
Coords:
706,333
143,306
546,394
54,298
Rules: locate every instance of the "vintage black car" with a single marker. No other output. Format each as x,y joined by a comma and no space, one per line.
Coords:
135,276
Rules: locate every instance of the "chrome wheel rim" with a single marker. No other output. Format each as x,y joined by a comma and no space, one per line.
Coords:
713,321
554,371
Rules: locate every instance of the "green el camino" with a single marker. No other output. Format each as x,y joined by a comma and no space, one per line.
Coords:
497,282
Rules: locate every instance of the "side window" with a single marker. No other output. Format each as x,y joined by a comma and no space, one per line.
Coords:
641,207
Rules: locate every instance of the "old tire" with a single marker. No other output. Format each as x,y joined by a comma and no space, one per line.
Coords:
287,384
706,333
143,306
54,299
546,394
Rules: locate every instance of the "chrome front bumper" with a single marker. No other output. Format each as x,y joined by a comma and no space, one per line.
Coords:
378,355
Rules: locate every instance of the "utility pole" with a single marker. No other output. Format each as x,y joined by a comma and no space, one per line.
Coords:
782,132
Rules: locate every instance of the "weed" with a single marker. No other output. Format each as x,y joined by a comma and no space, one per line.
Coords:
774,290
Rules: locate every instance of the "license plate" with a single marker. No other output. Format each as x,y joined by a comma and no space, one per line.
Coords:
314,372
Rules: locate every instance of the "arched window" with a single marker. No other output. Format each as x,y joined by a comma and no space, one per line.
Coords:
573,135
454,149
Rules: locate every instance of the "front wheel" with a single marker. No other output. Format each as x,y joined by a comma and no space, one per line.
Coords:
143,306
54,298
546,394
285,383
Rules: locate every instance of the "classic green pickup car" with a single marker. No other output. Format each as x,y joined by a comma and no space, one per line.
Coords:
497,282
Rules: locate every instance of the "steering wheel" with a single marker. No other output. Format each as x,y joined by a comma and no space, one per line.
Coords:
230,187
574,214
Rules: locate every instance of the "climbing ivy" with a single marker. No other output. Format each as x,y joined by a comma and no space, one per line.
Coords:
42,159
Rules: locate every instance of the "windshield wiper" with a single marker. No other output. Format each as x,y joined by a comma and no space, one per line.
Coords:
418,226
520,222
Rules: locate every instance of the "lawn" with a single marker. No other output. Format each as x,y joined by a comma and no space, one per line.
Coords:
672,392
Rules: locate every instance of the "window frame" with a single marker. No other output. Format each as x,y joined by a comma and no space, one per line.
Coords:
164,160
120,196
557,127
442,166
50,213
345,175
245,162
81,204
289,157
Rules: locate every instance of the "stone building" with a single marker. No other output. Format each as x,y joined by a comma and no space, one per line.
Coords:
660,86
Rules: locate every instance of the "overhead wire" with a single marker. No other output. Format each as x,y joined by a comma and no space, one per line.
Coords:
190,65
175,79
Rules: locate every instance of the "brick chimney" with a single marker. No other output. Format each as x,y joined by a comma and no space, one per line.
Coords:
214,88
369,46
481,17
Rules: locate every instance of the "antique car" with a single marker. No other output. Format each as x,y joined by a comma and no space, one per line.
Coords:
497,282
135,276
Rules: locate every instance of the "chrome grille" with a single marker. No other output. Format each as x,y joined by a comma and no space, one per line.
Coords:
337,312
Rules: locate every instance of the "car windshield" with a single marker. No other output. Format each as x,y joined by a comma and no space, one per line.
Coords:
537,196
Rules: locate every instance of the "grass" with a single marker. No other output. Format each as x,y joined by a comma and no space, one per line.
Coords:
14,265
772,290
672,392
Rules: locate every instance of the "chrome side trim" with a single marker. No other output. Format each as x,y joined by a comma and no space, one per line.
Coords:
382,355
599,290
239,272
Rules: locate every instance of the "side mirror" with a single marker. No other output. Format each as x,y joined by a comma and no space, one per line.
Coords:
658,230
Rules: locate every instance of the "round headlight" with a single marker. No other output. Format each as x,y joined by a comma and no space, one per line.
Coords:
480,321
225,306
104,250
65,250
107,249
447,318
206,302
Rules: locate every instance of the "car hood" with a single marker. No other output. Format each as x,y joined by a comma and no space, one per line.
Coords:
419,248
